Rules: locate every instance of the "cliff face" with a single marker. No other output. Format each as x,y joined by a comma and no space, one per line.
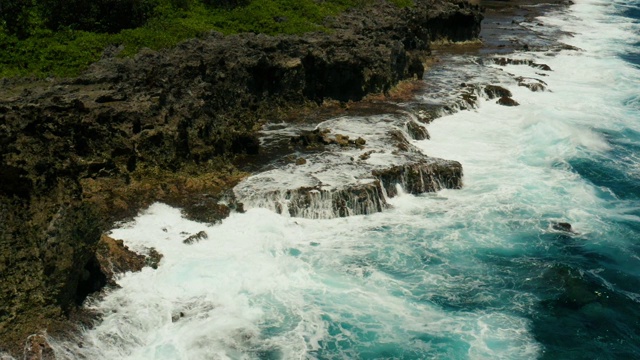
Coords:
77,152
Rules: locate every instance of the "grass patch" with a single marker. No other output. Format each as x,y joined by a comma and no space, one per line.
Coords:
67,52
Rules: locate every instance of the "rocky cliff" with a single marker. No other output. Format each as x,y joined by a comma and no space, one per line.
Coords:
78,154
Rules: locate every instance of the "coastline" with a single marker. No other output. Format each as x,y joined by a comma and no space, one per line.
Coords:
79,154
192,182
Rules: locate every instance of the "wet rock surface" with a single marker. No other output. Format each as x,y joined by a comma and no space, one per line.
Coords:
346,180
192,239
114,257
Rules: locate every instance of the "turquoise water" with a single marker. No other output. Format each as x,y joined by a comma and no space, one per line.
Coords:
477,273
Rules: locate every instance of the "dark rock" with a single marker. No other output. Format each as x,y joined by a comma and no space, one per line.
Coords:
366,155
495,91
365,198
312,139
301,161
153,258
502,61
562,226
318,138
507,101
421,177
400,142
207,211
417,131
314,202
532,84
195,238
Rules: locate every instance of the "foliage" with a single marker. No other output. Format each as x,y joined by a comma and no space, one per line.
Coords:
18,17
62,37
96,15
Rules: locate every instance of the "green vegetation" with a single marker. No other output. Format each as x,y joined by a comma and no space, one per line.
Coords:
62,37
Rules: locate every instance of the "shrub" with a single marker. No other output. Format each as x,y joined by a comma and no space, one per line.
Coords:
108,16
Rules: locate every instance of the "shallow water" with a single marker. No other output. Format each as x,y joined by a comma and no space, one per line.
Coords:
477,273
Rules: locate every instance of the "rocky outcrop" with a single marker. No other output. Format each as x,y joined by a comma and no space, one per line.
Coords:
202,235
113,257
417,131
503,61
77,154
507,101
532,84
562,226
349,179
421,177
363,197
495,91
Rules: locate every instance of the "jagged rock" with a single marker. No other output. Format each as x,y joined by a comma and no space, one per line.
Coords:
507,101
421,177
301,161
315,202
362,197
342,140
502,61
343,181
115,258
195,238
562,226
320,137
366,155
399,141
153,258
417,131
312,139
532,84
176,317
495,91
208,210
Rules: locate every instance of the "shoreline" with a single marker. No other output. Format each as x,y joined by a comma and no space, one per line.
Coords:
233,175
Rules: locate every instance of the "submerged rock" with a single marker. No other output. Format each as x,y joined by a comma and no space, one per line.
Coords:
532,84
202,235
417,131
507,101
503,61
562,226
495,91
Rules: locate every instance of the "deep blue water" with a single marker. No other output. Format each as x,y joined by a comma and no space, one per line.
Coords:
590,296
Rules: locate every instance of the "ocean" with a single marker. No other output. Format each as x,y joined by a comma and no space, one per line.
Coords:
484,272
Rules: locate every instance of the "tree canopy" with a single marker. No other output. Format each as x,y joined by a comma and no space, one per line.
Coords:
62,37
